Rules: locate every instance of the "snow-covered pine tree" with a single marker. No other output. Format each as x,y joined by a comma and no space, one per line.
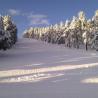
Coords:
8,32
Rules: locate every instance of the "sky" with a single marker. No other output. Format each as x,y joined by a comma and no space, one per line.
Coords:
38,13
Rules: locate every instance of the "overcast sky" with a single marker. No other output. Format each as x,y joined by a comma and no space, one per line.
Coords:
28,13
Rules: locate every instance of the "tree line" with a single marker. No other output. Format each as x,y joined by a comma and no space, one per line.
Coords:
77,32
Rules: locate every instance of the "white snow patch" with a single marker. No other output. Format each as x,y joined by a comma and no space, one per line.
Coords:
77,59
90,80
29,78
36,64
17,72
60,80
93,54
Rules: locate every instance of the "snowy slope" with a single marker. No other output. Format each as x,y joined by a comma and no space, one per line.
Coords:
34,69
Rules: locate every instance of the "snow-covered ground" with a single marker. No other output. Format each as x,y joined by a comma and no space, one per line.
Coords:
35,69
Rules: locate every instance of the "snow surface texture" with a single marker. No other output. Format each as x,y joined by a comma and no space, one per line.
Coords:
34,69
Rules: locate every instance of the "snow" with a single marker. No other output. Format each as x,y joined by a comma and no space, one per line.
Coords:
91,80
35,69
